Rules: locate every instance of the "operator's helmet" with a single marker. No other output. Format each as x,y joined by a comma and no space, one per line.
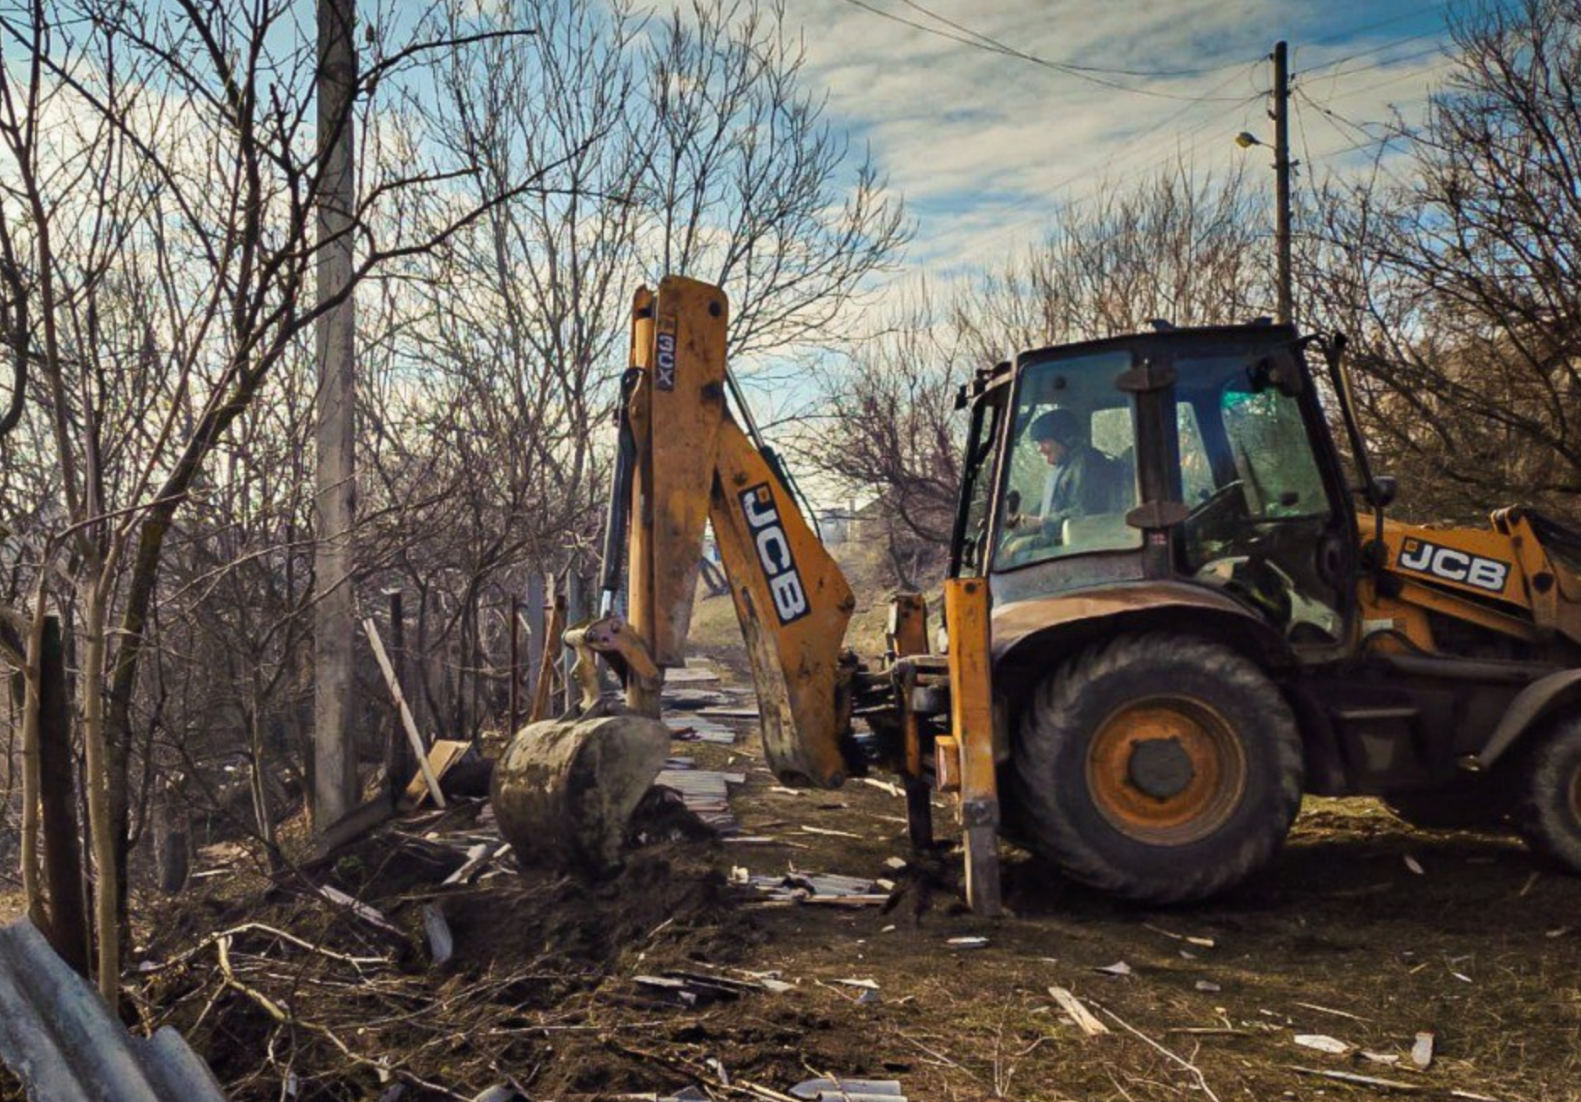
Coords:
1059,425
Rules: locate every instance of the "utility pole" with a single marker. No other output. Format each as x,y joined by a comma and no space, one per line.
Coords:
335,787
1281,117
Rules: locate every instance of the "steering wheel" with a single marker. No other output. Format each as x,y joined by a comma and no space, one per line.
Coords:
1218,516
1219,502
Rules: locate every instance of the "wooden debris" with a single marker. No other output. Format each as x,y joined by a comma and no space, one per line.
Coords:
1209,1031
1368,1080
967,943
1422,1050
479,857
706,793
691,675
729,713
849,1090
828,833
1208,986
1322,1042
819,889
442,757
441,943
1331,1010
370,915
1078,1013
882,785
1204,942
1118,968
407,722
1414,865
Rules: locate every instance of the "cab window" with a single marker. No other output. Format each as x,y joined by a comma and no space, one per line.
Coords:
1071,463
1259,511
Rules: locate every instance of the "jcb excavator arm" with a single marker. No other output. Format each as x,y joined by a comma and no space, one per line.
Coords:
566,789
691,463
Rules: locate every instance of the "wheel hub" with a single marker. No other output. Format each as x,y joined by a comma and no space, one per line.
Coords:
1160,767
1166,770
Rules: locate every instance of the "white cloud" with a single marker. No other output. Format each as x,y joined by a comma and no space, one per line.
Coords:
986,147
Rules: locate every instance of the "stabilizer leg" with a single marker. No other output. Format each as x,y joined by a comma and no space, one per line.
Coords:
972,723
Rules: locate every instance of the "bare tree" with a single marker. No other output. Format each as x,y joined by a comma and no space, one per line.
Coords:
686,144
1457,277
160,198
1182,247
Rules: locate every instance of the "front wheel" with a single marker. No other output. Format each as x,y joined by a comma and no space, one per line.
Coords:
1162,768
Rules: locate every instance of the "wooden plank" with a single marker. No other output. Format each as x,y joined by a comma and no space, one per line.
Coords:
441,756
535,617
406,713
576,612
1077,1011
548,656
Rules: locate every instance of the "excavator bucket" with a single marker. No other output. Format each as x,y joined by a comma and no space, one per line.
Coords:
565,790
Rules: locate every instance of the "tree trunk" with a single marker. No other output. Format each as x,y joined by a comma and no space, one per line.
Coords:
27,684
101,825
68,919
334,627
263,810
174,838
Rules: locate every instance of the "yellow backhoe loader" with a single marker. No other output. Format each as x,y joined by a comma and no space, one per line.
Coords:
1138,685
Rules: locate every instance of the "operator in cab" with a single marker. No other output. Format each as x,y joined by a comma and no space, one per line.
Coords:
1080,481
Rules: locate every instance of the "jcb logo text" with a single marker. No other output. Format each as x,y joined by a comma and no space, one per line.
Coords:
774,554
1454,566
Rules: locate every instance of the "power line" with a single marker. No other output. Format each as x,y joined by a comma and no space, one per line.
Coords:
1436,48
1374,87
1351,32
1114,162
1391,44
980,42
1334,119
1003,48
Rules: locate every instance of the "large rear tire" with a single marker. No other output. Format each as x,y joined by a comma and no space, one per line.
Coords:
1548,794
1161,768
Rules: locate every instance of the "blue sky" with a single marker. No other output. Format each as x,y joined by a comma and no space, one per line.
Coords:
987,147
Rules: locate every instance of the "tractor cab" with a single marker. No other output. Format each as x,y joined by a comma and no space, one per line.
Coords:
1193,456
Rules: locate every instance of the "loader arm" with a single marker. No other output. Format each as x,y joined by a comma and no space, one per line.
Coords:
693,465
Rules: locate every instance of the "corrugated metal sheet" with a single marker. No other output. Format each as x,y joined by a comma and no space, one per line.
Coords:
62,1042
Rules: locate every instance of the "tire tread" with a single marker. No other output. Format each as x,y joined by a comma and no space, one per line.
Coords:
1057,836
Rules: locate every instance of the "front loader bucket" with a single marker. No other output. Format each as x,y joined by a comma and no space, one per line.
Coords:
564,791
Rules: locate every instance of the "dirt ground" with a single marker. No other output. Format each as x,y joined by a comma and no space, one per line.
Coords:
1342,938
1365,931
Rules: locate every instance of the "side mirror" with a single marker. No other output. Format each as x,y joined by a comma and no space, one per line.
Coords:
1382,491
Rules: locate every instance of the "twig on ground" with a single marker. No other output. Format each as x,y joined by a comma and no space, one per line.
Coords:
1196,1072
